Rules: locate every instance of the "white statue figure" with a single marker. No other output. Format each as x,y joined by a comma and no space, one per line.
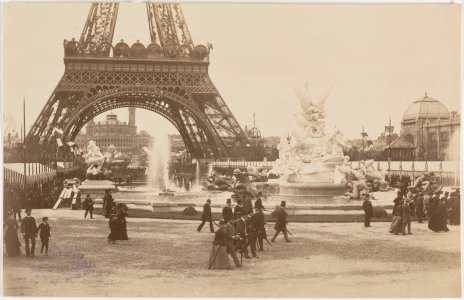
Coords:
93,155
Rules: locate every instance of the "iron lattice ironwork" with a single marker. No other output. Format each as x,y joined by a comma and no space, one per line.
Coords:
169,77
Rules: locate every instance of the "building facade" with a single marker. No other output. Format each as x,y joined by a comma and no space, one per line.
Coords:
112,132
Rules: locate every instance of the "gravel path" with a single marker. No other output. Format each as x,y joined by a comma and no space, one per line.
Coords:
169,258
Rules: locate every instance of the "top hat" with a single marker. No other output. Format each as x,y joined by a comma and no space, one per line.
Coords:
28,210
283,203
44,218
228,201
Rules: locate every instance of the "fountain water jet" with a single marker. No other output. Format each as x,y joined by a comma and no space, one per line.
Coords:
158,170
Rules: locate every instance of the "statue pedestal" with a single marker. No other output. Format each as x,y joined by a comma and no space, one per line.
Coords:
316,189
96,188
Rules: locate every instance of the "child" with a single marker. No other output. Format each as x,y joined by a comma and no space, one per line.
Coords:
44,229
88,206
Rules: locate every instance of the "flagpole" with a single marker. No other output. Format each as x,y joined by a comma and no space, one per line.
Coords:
24,140
362,133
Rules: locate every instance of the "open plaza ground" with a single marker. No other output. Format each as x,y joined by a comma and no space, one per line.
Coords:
169,258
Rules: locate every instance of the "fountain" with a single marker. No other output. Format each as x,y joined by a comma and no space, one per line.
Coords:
158,170
309,160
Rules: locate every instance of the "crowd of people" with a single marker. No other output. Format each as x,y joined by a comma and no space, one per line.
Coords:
427,202
241,231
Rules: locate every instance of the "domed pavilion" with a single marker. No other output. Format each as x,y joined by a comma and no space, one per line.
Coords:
428,126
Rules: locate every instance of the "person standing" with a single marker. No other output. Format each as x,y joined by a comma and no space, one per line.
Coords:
227,213
420,207
368,210
281,223
434,218
29,231
13,246
241,231
259,201
455,214
113,224
17,208
238,209
406,217
108,203
218,258
44,230
258,219
88,206
229,232
252,234
206,216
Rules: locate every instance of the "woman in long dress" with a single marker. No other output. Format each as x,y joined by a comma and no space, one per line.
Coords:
396,224
13,246
218,257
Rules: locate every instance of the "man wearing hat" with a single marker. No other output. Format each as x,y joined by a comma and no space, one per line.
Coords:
258,220
206,216
368,210
44,230
29,231
281,223
227,213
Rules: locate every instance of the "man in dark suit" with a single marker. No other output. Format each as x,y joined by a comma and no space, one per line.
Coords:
258,220
206,216
227,213
29,230
242,232
281,223
368,210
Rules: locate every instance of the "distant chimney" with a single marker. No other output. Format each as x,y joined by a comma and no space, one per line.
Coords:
131,116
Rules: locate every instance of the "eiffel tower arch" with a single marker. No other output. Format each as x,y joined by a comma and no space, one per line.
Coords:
169,77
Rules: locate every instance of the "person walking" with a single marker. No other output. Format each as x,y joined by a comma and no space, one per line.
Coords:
218,257
113,224
259,221
227,213
88,206
368,210
281,223
252,234
206,216
44,230
406,217
13,246
229,232
29,231
241,229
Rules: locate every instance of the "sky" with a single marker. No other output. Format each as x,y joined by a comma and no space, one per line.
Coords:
373,60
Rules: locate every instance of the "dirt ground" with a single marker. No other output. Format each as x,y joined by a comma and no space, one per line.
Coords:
169,258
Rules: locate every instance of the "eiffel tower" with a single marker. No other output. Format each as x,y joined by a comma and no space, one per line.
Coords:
169,76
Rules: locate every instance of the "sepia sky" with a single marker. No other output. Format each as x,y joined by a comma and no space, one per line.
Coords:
375,59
